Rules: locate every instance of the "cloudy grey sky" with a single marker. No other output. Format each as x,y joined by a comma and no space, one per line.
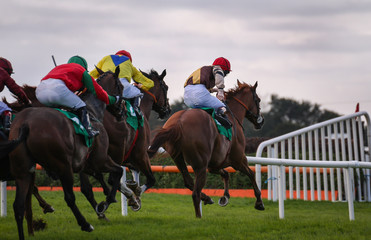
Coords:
312,50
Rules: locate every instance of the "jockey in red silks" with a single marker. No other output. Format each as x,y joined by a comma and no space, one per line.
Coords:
6,70
58,86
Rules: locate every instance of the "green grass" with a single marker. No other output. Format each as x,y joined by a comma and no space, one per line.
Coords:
172,217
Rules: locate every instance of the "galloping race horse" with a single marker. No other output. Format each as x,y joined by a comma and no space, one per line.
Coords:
128,147
47,137
191,137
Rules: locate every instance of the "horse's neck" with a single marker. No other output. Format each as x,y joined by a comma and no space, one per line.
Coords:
146,105
95,106
238,112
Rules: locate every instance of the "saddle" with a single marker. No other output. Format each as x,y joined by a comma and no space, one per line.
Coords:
227,132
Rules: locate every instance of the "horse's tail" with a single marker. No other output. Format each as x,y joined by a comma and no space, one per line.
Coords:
171,134
8,146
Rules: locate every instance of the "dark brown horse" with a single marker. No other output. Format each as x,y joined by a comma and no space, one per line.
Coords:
45,136
191,137
128,147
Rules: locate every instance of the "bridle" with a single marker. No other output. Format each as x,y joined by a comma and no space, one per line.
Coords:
161,110
250,114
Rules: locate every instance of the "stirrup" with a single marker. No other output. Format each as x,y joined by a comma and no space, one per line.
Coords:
223,120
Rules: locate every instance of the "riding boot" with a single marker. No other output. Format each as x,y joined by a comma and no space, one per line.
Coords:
83,115
136,103
222,118
6,122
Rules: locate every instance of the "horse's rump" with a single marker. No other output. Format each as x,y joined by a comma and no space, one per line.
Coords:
51,135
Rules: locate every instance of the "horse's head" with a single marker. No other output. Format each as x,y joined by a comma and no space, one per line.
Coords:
159,93
246,96
110,82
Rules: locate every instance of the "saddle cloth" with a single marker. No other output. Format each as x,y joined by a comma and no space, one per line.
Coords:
222,130
79,129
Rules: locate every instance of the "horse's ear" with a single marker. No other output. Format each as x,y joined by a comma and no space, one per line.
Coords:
239,84
99,70
117,71
163,74
255,85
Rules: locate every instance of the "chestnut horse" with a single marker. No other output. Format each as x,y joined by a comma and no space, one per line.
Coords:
128,147
45,136
191,137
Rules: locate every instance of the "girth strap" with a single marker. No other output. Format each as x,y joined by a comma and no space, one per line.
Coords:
132,145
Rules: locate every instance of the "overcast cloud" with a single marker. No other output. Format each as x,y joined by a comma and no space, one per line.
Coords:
317,51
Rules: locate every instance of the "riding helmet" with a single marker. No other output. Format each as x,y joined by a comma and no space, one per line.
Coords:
6,65
125,53
79,60
223,63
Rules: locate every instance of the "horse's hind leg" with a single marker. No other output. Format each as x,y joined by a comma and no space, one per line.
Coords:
244,168
69,197
45,206
21,198
188,181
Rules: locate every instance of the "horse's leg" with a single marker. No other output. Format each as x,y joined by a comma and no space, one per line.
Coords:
128,192
223,201
200,180
244,168
188,181
106,188
22,190
28,206
45,206
69,197
87,190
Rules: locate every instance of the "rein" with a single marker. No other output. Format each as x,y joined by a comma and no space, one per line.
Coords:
151,94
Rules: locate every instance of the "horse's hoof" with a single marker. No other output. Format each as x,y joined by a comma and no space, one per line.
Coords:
101,207
259,206
102,216
137,206
223,201
49,209
208,200
87,228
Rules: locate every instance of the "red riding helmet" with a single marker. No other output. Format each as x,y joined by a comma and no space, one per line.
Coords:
223,63
6,65
125,53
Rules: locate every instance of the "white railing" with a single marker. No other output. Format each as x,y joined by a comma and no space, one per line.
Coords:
342,143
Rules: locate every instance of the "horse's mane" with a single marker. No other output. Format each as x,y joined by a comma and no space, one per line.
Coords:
30,92
152,73
232,92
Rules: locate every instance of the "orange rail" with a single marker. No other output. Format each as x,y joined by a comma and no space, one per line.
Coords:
174,169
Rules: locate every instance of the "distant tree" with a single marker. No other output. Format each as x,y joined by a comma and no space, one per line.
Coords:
286,115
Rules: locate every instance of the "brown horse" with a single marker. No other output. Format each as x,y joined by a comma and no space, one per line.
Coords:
191,137
128,147
45,136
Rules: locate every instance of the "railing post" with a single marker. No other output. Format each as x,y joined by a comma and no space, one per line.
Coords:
349,186
3,199
281,191
124,201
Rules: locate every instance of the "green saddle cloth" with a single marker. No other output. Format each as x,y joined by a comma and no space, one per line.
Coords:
79,129
132,118
222,130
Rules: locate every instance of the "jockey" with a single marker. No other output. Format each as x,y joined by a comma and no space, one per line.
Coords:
201,82
6,70
58,86
127,72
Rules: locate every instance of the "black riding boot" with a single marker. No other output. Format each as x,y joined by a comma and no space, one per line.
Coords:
6,122
136,103
83,115
222,118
